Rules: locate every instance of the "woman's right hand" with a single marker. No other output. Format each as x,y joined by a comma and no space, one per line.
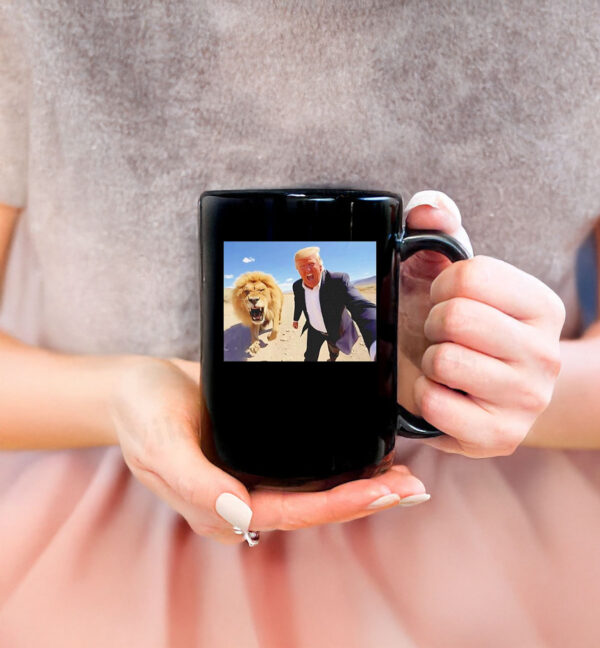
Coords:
155,411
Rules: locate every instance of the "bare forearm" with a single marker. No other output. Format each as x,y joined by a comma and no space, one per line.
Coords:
8,220
53,400
572,420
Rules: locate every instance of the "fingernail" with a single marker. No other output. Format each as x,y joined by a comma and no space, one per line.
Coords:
436,199
384,500
234,510
440,200
413,500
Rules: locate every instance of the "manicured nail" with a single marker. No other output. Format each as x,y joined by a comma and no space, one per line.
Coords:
234,510
440,200
384,500
413,500
436,199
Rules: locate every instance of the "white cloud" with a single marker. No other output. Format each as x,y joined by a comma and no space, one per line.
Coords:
228,276
290,279
248,259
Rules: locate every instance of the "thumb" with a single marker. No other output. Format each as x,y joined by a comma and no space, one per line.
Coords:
212,501
435,210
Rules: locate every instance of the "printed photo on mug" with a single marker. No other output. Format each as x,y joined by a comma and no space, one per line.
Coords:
300,301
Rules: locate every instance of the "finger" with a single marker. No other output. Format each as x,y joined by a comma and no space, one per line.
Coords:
400,481
174,456
445,444
480,375
419,270
200,523
478,432
503,286
473,450
287,511
482,328
436,210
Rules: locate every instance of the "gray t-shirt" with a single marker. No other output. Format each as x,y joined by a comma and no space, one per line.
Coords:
115,116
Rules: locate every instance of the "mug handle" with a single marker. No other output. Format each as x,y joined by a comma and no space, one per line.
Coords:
408,243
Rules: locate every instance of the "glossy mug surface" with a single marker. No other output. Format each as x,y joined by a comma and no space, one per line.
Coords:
299,316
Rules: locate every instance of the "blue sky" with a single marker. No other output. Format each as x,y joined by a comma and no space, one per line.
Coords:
357,258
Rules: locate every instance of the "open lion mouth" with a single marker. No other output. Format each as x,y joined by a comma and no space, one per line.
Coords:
257,314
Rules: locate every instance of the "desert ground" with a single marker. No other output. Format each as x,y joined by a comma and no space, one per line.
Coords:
289,346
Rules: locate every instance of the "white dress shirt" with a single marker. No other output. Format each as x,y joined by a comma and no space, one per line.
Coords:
313,305
315,314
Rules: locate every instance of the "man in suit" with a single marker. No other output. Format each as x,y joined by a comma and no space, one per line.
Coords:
332,305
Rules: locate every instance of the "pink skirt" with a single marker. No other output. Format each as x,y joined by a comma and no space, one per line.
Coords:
506,553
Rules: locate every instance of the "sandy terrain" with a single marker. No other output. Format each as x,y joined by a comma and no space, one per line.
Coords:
289,345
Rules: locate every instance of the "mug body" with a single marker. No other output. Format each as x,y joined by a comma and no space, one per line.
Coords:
272,418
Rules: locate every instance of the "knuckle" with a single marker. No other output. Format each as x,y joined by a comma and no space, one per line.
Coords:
479,265
546,398
442,361
500,437
470,274
550,362
506,449
455,318
429,404
559,312
551,309
533,399
545,355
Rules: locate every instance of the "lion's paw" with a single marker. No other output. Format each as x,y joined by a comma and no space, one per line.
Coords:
254,347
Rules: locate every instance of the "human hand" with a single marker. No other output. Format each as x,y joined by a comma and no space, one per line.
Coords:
295,325
416,275
156,416
493,333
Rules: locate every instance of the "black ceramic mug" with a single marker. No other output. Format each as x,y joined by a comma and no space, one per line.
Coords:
299,345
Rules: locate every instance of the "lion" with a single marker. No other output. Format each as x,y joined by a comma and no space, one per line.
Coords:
258,302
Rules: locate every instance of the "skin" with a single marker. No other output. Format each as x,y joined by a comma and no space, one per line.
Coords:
494,332
310,269
149,405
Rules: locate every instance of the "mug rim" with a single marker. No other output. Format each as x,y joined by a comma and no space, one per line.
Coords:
301,193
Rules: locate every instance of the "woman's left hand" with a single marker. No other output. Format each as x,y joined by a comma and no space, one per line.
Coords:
494,332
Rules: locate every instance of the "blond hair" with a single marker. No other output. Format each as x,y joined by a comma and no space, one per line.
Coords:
308,252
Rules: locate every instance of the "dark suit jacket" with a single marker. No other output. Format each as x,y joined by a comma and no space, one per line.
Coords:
341,303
